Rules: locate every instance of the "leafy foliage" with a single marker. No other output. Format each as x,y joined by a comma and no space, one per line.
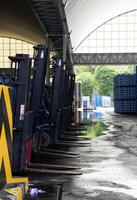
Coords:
95,129
100,78
104,80
87,82
88,68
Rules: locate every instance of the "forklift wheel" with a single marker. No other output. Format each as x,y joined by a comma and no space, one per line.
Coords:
44,140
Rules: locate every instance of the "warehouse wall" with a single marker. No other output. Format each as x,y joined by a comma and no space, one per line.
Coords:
18,21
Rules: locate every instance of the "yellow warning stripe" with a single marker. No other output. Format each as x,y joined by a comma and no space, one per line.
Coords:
4,155
8,108
0,90
4,151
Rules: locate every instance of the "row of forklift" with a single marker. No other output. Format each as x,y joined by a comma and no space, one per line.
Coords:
43,114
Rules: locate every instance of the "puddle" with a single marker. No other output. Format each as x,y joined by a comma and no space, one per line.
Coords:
92,120
97,115
44,192
95,129
91,115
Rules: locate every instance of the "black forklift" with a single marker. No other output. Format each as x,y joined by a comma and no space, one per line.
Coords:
37,127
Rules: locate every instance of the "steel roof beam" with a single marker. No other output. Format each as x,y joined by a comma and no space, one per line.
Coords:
52,16
105,58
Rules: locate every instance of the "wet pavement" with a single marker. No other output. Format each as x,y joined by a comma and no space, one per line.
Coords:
109,164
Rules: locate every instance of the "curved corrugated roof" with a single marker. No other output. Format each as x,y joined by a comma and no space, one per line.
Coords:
84,16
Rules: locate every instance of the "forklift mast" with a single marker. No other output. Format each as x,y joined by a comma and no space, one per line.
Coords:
21,86
39,75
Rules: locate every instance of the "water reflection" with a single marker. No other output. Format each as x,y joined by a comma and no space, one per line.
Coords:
97,115
95,129
93,115
93,123
88,115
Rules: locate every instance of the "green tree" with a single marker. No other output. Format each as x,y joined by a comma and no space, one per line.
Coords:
86,68
124,69
104,80
87,82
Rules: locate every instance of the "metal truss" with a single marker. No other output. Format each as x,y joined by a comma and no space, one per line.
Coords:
52,18
104,58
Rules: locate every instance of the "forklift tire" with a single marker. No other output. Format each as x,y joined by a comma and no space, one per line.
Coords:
44,140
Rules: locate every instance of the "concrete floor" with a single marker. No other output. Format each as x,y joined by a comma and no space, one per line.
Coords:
109,164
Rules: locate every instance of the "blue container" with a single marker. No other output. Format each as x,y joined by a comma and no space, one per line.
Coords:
133,92
123,106
117,106
125,93
97,100
122,93
133,80
122,80
133,106
85,115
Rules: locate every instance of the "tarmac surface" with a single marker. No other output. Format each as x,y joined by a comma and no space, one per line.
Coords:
109,164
